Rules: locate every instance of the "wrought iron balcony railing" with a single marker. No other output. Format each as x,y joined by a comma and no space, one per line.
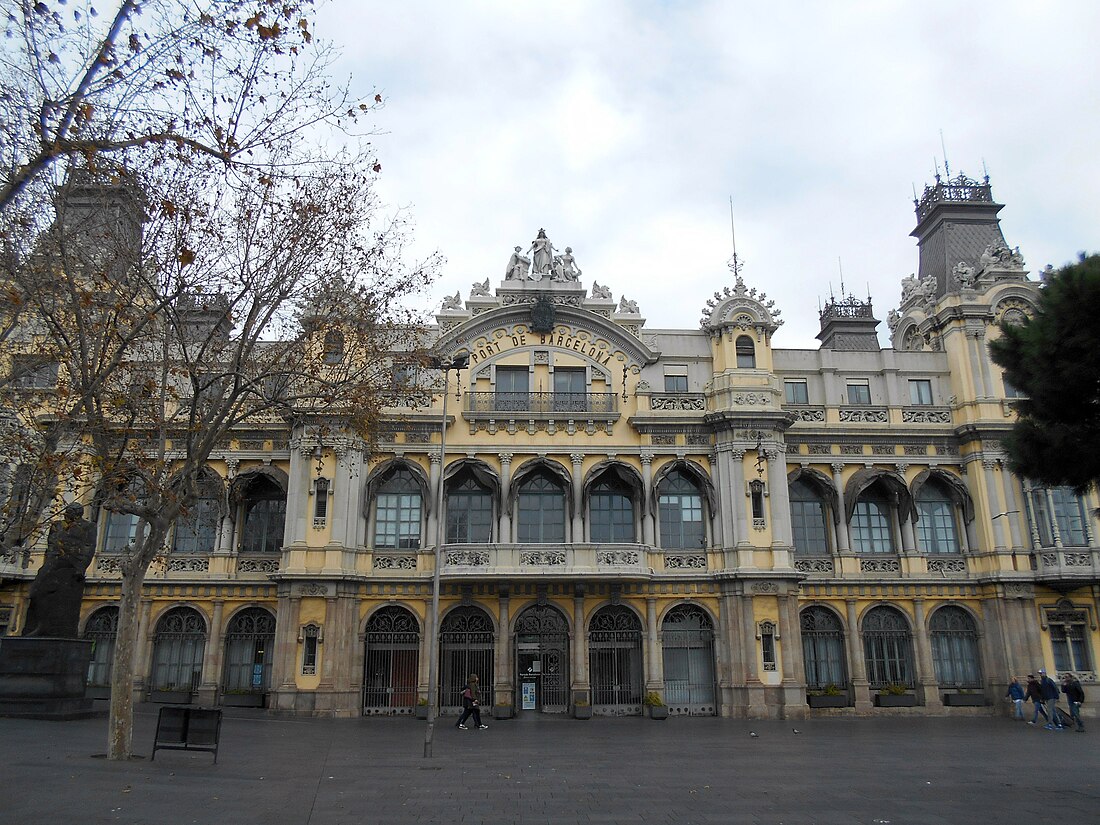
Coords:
543,403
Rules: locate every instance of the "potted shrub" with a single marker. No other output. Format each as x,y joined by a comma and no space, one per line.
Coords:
895,695
421,709
170,695
242,699
657,707
581,709
829,696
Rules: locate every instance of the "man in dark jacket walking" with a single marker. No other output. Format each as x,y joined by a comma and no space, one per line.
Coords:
1036,697
1075,696
1049,691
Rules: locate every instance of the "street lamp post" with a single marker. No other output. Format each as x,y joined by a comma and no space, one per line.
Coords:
457,363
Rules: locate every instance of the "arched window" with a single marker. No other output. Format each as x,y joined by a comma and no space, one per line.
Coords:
264,516
611,512
469,511
1059,516
397,512
392,661
615,651
955,648
937,528
823,648
687,639
178,646
887,648
466,642
249,647
101,629
121,529
334,346
197,527
1069,636
871,525
746,353
808,520
680,509
541,510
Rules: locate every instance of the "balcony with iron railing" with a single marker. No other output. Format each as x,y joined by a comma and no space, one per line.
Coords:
569,410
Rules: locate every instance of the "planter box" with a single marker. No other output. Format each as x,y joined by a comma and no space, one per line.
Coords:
170,697
658,711
582,711
890,700
840,701
420,711
97,692
503,711
964,700
243,700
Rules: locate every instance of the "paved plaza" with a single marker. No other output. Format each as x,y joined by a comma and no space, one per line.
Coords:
902,771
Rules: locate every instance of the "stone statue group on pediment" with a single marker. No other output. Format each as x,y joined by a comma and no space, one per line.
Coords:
542,263
1000,256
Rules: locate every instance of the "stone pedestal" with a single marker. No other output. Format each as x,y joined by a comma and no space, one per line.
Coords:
43,678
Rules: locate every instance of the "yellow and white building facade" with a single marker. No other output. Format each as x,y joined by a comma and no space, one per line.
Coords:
621,511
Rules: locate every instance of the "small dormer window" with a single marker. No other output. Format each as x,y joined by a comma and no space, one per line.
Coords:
334,346
746,353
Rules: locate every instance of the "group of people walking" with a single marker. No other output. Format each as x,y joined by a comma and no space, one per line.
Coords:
1043,693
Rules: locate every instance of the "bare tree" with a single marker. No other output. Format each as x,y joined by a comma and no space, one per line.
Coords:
203,251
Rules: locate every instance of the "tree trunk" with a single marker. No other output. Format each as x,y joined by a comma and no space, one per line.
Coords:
120,724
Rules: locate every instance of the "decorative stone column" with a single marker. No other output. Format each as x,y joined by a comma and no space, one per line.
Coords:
990,465
779,498
928,688
332,645
577,459
212,657
648,532
654,665
435,478
505,532
503,689
756,707
143,650
790,647
737,497
724,474
580,669
843,545
860,684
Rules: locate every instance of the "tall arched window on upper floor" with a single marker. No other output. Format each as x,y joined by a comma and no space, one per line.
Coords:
469,510
808,524
196,529
1059,516
611,511
541,516
680,510
871,525
264,507
937,519
746,352
121,527
397,509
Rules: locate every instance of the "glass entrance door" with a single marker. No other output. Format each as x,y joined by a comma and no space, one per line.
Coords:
542,661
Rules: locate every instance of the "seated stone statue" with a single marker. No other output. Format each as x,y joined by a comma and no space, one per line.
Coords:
58,588
518,266
565,266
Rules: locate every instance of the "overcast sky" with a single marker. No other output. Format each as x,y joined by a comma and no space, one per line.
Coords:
624,128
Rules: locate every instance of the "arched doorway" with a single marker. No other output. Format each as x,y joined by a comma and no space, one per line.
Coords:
178,645
391,662
101,629
249,646
687,636
542,660
615,653
466,642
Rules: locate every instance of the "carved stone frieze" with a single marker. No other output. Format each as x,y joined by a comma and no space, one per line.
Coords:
692,402
814,565
617,557
765,587
879,565
857,416
468,558
917,416
946,566
542,558
188,564
394,562
685,561
251,565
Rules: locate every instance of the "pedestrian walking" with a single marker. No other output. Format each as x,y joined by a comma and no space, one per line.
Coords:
471,705
1036,697
1048,690
1016,695
1075,697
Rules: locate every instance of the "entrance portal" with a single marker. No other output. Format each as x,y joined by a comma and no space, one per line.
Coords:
542,660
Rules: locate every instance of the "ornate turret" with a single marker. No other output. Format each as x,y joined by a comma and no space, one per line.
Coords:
958,234
849,325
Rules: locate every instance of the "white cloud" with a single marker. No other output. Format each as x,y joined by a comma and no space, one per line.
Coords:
624,127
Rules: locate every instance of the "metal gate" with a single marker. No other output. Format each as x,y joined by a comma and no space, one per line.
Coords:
101,629
249,645
391,663
615,652
178,646
466,646
687,636
542,660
